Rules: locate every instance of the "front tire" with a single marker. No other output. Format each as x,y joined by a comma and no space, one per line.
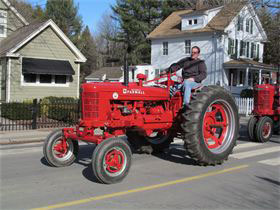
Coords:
251,128
111,160
264,129
210,126
59,151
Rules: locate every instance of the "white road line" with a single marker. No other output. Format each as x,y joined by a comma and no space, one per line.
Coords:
271,162
247,145
253,153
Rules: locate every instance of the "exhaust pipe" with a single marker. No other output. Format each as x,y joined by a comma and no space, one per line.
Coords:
126,72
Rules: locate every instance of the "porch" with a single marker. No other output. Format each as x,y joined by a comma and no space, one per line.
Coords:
244,73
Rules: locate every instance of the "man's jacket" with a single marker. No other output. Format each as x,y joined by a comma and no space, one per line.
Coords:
191,69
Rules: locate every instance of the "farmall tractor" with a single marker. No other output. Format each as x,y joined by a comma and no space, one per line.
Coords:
266,113
123,117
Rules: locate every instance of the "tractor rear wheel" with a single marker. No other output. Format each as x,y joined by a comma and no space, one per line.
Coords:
264,129
111,160
59,151
251,128
210,126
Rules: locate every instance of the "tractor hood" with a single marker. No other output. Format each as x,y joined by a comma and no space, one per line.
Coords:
118,91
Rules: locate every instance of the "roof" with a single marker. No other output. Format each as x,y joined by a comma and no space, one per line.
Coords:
10,45
17,36
111,72
171,26
243,63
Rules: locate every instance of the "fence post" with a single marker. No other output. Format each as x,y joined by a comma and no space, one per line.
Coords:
247,106
34,114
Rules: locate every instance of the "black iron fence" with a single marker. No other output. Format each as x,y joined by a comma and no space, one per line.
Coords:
47,113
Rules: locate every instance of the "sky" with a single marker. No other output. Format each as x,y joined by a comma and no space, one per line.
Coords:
90,10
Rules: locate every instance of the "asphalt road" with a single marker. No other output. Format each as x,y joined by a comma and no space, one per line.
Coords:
250,179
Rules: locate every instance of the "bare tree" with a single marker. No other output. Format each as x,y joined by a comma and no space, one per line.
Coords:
110,51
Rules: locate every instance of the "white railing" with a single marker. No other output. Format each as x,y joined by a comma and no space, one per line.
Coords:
245,105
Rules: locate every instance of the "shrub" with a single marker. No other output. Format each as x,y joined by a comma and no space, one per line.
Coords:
17,111
246,93
60,108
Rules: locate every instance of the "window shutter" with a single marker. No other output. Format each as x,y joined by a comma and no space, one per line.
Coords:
236,48
258,51
248,49
241,48
229,46
251,26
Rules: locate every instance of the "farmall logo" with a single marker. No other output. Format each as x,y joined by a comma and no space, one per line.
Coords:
133,91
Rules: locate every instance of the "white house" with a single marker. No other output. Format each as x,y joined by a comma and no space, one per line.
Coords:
231,39
146,69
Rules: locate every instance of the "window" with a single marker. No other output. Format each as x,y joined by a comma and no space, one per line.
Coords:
195,21
230,46
60,79
45,79
232,77
30,78
240,23
253,50
3,23
258,52
241,78
165,48
247,25
242,48
187,46
190,22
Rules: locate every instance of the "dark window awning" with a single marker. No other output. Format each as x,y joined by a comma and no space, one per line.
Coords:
46,66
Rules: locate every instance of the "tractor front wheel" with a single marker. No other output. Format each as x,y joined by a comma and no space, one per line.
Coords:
264,129
111,160
59,151
210,126
251,128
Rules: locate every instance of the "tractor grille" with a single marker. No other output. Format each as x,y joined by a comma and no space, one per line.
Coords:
91,108
261,99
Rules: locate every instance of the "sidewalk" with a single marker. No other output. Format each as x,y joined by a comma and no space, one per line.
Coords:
24,136
32,136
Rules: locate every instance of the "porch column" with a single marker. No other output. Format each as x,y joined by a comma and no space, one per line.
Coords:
246,76
260,76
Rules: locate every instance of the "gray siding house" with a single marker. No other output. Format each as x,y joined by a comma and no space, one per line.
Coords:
36,60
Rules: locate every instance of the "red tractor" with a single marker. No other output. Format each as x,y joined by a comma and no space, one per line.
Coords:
123,117
266,112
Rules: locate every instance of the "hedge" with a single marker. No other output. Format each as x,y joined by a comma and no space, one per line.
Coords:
60,108
17,111
246,93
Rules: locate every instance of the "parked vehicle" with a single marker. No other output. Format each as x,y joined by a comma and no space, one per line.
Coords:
266,112
149,117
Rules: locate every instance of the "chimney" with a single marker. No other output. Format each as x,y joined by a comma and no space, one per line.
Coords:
199,4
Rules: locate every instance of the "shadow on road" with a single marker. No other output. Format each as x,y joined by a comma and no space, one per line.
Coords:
275,182
176,155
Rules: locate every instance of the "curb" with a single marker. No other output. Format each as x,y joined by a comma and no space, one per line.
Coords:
24,141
